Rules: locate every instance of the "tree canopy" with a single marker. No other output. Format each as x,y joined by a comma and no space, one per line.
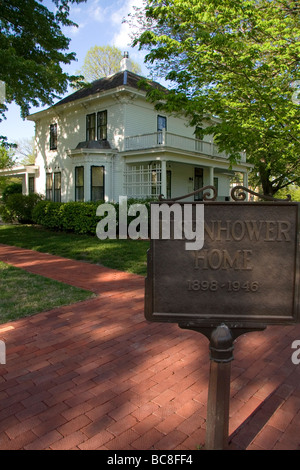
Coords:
6,158
33,50
101,61
236,61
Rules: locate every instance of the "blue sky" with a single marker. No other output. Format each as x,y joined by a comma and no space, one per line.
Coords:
100,22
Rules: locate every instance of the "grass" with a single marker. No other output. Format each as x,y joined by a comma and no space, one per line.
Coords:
124,255
24,294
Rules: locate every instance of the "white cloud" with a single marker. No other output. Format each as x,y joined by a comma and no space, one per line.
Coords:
75,30
96,12
123,38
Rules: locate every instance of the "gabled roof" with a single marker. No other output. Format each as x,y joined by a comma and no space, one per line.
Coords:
117,80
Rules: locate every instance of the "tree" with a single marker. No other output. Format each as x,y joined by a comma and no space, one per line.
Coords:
25,151
101,61
237,61
7,160
33,50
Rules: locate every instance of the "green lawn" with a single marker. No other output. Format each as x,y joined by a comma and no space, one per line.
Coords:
124,255
23,294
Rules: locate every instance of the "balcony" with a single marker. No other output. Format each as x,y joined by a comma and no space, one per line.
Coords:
159,140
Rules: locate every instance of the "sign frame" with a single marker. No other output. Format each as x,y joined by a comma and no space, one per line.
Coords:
238,320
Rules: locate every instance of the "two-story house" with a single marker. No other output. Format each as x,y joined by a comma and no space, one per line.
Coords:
108,140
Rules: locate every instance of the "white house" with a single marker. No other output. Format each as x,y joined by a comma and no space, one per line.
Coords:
107,140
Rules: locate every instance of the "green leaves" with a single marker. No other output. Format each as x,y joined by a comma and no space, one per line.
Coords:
102,61
236,60
33,50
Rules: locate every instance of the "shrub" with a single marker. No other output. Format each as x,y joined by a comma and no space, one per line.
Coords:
78,217
19,207
12,188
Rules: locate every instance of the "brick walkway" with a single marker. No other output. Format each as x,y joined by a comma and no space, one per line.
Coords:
96,375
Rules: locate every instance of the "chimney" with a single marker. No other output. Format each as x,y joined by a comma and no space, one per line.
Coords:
125,63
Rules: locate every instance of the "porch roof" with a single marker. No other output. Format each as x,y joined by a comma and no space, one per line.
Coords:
20,170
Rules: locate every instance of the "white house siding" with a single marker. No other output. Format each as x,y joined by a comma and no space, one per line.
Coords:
71,129
141,118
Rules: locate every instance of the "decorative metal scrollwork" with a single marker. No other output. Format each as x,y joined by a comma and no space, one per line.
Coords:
239,193
210,193
206,190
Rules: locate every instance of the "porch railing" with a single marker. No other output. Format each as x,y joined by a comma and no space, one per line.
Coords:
168,139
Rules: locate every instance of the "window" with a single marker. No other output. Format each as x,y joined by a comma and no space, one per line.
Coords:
90,127
31,184
102,125
53,136
198,183
199,139
57,187
49,185
79,183
53,186
161,126
97,183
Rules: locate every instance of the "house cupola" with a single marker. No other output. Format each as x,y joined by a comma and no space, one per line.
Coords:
125,63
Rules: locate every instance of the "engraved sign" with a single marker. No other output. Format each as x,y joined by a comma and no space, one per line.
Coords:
245,274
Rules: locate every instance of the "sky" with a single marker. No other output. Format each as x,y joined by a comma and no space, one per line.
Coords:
100,22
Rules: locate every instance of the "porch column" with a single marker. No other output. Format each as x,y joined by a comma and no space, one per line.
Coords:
25,184
164,178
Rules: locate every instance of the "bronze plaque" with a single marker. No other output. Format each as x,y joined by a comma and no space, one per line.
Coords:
246,273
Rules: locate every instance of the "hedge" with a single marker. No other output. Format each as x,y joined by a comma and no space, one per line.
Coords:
77,217
19,207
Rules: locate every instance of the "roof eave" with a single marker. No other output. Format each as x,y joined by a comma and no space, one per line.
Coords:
58,108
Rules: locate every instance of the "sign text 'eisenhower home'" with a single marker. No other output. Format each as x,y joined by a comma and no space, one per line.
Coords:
237,231
179,222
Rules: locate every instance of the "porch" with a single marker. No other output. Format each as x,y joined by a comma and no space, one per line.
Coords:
164,139
27,175
172,178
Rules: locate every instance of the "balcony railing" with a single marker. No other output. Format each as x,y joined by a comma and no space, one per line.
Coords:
167,139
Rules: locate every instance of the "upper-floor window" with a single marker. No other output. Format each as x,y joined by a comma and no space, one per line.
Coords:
96,126
53,136
161,126
90,127
102,125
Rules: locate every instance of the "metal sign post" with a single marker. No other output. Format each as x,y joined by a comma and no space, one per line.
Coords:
217,423
242,278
